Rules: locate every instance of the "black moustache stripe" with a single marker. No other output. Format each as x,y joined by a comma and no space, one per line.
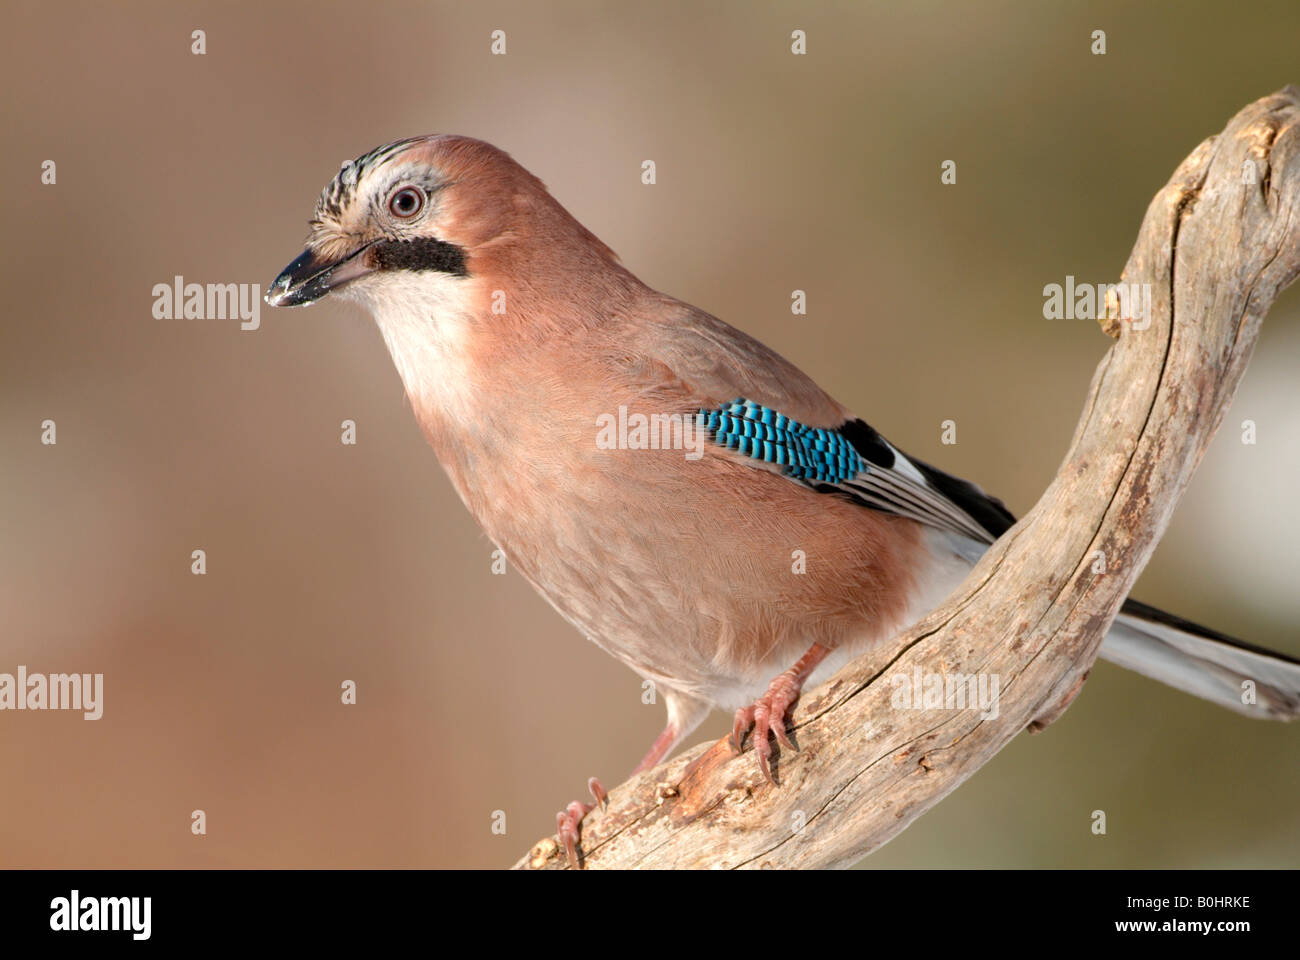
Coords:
421,253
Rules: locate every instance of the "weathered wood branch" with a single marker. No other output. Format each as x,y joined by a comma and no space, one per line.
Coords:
1216,246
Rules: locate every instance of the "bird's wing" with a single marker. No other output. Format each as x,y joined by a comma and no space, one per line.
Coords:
783,421
857,462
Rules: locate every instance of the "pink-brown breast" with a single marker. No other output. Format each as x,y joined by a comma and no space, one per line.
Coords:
707,575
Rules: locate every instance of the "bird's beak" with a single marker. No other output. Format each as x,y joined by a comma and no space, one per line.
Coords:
310,277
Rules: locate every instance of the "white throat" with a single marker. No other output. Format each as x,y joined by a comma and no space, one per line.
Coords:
426,320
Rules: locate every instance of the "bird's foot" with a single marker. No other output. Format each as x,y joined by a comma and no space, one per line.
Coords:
568,820
767,714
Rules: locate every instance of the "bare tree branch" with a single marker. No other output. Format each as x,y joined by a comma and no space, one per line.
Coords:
1216,246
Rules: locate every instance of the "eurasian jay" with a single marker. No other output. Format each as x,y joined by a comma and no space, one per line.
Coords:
519,337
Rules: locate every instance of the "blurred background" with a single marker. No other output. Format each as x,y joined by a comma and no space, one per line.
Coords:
328,562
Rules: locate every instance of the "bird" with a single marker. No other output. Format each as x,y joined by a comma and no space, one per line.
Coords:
651,469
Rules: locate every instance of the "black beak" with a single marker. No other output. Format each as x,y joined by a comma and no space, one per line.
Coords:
310,277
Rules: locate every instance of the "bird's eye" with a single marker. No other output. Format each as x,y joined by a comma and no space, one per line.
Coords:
406,203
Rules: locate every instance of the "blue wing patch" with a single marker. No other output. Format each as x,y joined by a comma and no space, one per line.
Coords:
807,453
855,461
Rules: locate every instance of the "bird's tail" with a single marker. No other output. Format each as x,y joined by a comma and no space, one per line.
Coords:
1203,662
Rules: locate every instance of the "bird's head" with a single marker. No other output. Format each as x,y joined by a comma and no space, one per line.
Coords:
428,214
392,209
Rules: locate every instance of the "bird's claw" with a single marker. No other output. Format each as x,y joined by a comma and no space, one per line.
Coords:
568,820
767,715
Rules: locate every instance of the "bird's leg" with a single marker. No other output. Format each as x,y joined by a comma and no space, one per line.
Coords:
684,716
659,749
768,712
567,820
